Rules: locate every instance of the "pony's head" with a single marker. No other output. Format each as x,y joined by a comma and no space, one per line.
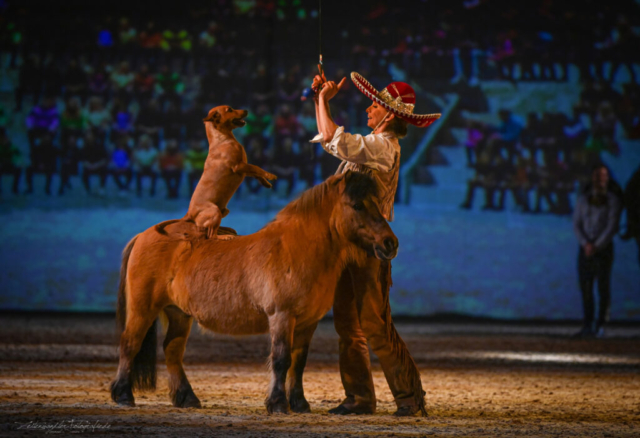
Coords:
357,215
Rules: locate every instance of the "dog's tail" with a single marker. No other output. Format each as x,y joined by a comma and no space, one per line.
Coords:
160,228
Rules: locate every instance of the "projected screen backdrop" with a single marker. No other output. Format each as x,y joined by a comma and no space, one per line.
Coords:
102,137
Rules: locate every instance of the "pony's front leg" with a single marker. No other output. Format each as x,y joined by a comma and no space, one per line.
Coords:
295,391
281,328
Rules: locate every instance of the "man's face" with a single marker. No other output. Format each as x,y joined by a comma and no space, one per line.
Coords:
376,114
600,178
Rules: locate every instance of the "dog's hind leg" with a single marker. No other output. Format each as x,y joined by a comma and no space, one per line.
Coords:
209,218
301,340
182,395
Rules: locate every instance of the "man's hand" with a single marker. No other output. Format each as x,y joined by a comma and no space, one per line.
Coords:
589,249
330,89
318,80
324,91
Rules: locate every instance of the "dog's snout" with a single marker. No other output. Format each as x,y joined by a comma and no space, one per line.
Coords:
390,244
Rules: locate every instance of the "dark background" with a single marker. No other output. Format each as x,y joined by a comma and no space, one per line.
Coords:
83,86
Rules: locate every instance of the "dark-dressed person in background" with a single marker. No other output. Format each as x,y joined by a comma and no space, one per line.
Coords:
595,222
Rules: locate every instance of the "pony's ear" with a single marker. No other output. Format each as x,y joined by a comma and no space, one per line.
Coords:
342,178
359,185
337,179
348,177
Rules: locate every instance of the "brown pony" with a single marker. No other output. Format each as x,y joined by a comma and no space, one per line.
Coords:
281,279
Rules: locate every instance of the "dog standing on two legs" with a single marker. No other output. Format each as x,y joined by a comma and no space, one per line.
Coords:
224,170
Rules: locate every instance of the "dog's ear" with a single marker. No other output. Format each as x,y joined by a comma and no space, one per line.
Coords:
213,118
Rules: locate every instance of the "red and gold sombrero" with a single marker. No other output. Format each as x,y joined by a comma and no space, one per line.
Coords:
398,97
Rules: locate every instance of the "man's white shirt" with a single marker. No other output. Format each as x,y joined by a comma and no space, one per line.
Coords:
375,151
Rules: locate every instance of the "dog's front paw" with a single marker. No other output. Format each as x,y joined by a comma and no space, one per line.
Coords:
264,182
268,175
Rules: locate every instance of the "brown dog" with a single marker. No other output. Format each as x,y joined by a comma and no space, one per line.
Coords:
224,170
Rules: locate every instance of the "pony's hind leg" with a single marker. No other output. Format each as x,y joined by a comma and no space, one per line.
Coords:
281,328
137,366
182,395
295,391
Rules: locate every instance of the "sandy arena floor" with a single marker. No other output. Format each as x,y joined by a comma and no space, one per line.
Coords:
493,380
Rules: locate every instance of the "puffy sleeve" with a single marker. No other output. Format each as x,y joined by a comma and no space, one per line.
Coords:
374,151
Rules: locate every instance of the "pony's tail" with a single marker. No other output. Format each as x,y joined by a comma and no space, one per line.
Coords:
143,373
121,309
143,369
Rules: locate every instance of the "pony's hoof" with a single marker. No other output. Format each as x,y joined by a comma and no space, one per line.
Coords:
277,406
300,406
191,401
121,394
186,399
126,402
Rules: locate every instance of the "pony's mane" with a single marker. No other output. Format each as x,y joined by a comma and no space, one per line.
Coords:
307,202
358,187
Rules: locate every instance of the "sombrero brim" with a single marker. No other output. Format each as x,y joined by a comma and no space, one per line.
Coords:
419,120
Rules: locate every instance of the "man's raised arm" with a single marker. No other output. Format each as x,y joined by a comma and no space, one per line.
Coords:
326,125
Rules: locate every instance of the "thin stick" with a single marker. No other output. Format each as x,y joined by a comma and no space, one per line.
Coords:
320,34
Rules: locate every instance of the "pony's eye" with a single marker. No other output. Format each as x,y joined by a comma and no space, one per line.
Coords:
359,206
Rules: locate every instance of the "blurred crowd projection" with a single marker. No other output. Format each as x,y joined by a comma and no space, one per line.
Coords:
533,95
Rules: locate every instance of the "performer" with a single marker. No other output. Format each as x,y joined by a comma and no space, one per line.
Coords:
361,308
